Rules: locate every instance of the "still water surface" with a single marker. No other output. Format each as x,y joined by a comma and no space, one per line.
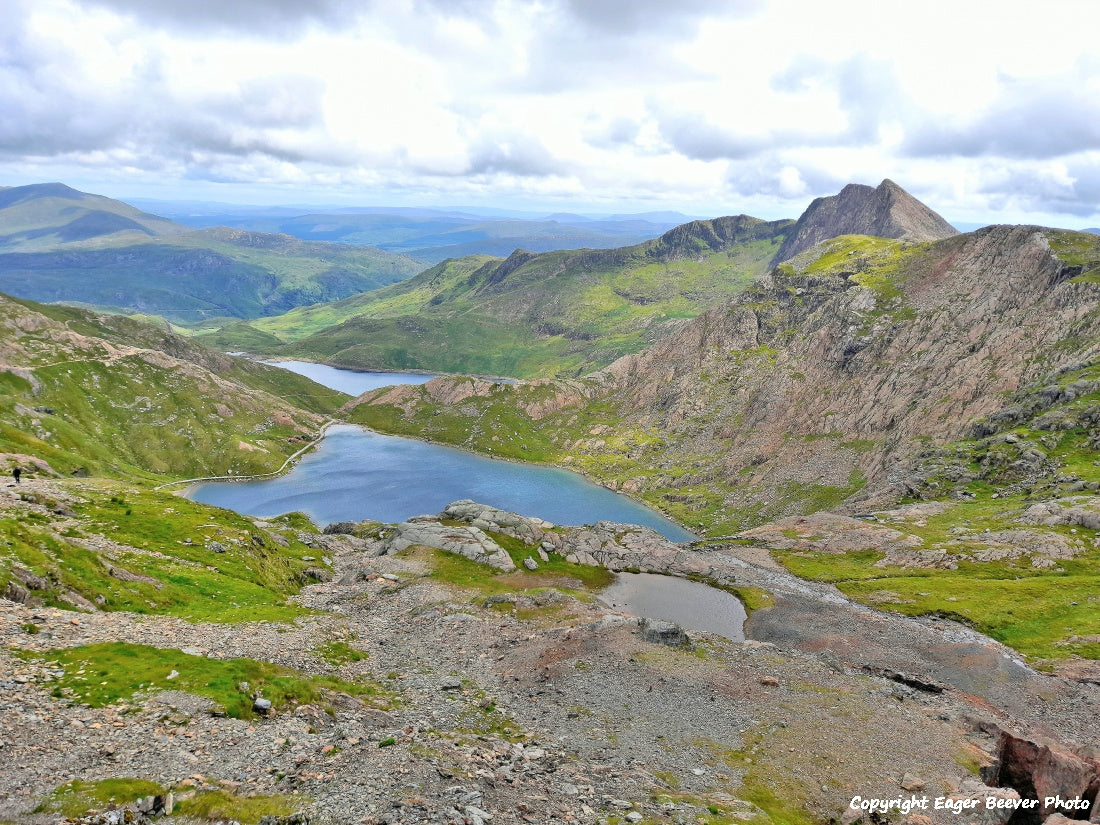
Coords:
693,605
357,474
353,382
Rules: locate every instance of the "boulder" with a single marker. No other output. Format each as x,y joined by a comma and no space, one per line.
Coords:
661,632
468,541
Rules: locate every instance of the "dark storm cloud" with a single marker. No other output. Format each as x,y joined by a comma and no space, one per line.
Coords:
265,17
1033,120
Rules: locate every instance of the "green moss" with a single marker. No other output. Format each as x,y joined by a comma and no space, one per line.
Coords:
340,653
101,674
222,805
75,798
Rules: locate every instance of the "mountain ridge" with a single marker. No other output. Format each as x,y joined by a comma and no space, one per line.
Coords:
537,313
885,211
775,382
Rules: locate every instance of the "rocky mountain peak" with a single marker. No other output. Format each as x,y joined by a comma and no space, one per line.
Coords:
884,211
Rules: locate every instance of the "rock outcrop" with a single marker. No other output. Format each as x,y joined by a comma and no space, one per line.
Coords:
470,542
885,211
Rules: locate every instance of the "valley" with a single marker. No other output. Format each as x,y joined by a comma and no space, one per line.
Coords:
881,432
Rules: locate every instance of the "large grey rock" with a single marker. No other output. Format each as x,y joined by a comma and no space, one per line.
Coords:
526,528
468,541
662,632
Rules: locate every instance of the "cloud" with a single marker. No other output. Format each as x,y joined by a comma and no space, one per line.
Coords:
614,17
776,177
1029,119
280,18
694,136
1046,187
522,156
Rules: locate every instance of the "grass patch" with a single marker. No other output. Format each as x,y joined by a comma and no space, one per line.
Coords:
579,579
77,797
224,806
101,674
338,653
174,557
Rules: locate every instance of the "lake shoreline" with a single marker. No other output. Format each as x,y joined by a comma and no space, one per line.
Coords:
425,440
367,474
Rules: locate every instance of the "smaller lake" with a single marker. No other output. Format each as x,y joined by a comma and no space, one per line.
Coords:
353,382
692,605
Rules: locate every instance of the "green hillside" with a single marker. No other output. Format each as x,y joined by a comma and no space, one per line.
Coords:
562,312
105,395
194,276
50,215
61,245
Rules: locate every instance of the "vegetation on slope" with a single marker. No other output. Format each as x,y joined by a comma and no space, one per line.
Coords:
213,273
50,215
101,674
1027,482
105,395
762,409
96,544
554,313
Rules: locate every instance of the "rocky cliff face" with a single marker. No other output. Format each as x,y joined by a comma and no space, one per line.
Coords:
885,211
826,380
814,384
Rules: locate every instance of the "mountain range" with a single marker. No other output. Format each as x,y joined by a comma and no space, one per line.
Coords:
567,313
432,235
888,446
58,244
532,313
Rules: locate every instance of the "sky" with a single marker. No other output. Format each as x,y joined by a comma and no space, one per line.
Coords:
989,112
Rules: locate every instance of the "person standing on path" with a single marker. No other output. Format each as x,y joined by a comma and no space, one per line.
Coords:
17,474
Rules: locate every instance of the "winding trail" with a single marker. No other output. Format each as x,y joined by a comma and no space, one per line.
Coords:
254,476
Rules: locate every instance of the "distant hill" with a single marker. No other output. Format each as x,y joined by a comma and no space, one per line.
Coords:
1095,230
433,235
68,246
49,215
885,211
550,313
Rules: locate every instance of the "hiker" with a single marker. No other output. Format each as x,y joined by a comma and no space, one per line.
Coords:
16,474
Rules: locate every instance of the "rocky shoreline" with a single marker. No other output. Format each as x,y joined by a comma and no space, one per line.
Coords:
544,706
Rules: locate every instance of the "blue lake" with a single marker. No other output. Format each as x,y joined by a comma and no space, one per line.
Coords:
353,382
357,474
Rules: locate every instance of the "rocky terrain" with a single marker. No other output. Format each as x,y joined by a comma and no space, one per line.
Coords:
890,447
809,388
536,703
884,211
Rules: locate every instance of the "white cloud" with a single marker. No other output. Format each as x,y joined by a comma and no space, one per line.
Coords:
700,105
